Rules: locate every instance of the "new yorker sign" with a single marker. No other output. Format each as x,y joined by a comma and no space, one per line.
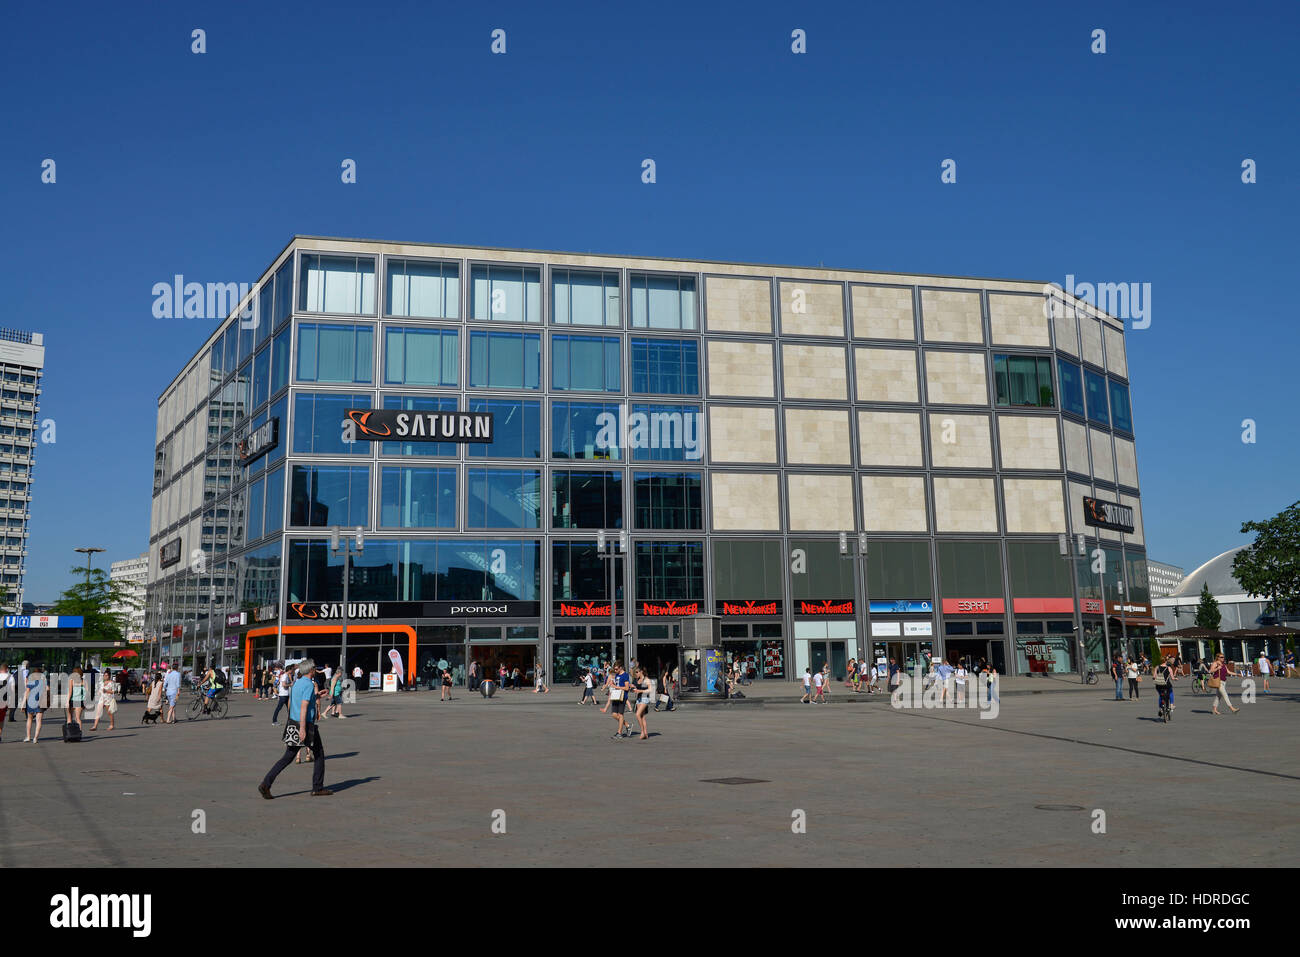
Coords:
1102,514
373,425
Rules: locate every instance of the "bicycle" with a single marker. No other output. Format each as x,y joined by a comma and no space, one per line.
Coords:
1091,676
1200,684
217,709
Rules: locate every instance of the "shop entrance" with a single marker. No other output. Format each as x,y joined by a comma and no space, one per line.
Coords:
832,651
491,657
967,651
908,655
654,656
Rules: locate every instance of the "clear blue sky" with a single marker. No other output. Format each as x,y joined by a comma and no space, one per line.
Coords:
1117,167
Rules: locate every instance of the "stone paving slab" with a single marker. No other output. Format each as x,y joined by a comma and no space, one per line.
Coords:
419,780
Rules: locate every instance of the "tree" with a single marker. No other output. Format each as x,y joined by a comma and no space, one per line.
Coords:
1269,567
1208,615
1154,652
92,598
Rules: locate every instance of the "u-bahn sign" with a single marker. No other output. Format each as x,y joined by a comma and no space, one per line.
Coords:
1102,514
378,425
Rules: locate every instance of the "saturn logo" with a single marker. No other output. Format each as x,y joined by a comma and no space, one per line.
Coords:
301,610
361,417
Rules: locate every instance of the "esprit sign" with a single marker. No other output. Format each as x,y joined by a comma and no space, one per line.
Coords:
374,425
974,606
1102,514
258,442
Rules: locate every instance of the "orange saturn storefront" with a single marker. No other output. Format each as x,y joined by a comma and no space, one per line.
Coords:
250,639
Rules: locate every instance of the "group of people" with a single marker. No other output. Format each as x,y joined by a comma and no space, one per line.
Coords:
277,680
508,678
1212,675
864,678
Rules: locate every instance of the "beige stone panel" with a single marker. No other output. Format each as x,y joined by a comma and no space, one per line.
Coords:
1066,330
1033,506
1126,470
1019,320
1135,504
742,434
883,312
886,375
740,369
820,502
818,437
745,501
890,439
1029,442
951,316
964,504
960,441
1076,447
894,503
823,309
1077,494
956,378
739,305
1103,461
1116,356
1091,335
813,372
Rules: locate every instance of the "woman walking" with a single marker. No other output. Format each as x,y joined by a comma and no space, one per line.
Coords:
76,696
107,702
155,702
1220,672
645,692
6,689
445,694
336,695
1132,671
286,679
36,701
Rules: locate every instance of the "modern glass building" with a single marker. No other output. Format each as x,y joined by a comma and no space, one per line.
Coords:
22,363
730,419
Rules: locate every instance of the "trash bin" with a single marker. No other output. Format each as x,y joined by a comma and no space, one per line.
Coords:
488,688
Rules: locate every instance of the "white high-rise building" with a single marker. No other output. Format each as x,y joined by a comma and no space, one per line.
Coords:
132,574
22,361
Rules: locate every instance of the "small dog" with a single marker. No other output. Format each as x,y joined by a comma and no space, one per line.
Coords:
151,717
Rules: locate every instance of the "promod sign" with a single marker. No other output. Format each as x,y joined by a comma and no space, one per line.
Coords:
1102,514
377,425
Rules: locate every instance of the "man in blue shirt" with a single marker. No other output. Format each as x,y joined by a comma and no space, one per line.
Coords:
618,697
302,709
171,688
943,673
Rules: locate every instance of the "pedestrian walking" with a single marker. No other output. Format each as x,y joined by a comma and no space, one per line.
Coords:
336,695
1117,675
302,712
645,688
8,694
171,690
1220,672
1163,679
895,679
37,699
1133,678
107,702
819,687
1265,669
76,696
959,676
619,682
539,678
445,693
154,704
807,686
286,680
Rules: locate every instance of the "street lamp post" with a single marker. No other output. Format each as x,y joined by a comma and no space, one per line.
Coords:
858,557
336,541
609,551
1081,548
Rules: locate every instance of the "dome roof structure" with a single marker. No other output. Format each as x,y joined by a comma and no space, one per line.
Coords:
1217,573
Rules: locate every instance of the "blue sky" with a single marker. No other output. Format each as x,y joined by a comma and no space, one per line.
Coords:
1122,167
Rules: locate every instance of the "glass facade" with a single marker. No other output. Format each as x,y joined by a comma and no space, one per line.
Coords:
487,521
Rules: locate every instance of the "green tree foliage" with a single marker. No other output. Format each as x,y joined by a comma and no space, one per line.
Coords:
1208,615
1269,567
92,597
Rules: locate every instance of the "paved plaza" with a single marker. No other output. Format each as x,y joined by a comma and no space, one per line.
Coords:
420,782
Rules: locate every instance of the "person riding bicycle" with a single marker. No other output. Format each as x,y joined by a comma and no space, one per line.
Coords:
214,682
1200,676
1163,678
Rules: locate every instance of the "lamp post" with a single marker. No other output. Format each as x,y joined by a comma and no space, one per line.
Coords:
609,549
1081,549
858,557
337,541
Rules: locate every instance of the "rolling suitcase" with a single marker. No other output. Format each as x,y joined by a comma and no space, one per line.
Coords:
71,732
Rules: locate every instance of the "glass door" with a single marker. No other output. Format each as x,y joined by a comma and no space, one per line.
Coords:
839,660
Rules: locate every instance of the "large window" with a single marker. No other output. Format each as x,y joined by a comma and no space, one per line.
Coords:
667,500
665,366
283,294
343,285
421,403
748,569
417,497
427,290
969,569
579,573
585,430
415,356
584,298
817,570
662,302
665,433
1120,413
505,360
586,499
1037,570
504,498
261,377
274,501
335,352
1071,387
669,571
898,570
319,421
506,293
1095,386
280,360
585,364
516,429
325,495
1023,381
254,516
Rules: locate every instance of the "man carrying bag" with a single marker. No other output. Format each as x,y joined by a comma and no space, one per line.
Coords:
301,732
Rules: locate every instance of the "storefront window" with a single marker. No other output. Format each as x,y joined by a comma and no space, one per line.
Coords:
516,429
582,499
1044,654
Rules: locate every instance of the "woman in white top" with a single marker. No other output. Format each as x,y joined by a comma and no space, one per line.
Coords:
1132,671
107,701
1265,669
960,676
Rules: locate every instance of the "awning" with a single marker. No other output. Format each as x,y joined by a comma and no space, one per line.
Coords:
1139,622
